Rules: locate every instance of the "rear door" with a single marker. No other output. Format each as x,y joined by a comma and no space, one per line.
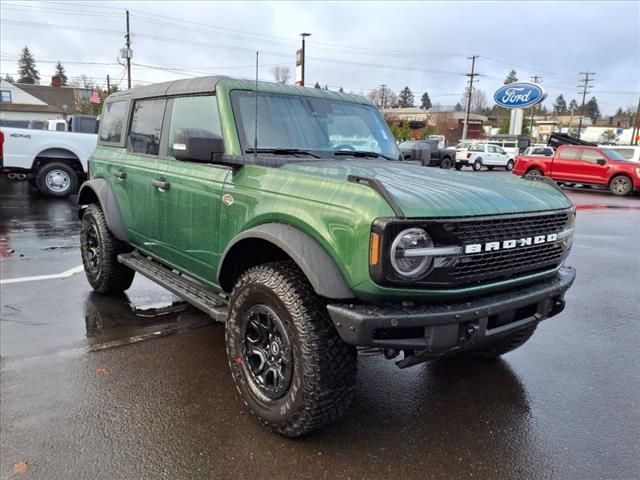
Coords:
138,170
189,207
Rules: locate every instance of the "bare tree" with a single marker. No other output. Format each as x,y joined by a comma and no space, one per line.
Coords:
478,99
383,97
281,74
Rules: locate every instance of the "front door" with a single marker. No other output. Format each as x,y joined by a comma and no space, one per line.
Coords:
189,207
594,173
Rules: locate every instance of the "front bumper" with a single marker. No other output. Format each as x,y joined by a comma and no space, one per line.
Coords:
437,330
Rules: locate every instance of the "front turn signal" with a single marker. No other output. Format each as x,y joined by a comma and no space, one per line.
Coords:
374,249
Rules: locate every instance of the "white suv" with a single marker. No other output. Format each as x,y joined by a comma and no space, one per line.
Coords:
485,154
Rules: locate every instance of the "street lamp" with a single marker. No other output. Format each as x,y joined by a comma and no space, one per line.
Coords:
303,35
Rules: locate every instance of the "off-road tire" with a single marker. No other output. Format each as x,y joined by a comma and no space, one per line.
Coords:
504,344
477,165
620,185
446,163
323,377
49,173
509,166
109,277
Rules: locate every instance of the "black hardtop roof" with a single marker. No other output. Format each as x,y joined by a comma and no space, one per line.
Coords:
208,85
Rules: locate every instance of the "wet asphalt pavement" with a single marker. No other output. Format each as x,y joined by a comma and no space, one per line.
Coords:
138,386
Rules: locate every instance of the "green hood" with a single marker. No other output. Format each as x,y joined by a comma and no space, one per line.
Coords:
432,192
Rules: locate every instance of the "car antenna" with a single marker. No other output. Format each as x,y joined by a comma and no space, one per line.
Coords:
255,138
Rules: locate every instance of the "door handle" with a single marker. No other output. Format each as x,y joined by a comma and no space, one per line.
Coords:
120,174
160,184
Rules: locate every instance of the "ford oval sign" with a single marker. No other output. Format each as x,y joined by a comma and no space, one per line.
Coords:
519,95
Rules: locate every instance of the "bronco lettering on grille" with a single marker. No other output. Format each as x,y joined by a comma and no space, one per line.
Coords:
506,244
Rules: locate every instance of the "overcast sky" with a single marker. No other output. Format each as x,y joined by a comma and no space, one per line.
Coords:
356,45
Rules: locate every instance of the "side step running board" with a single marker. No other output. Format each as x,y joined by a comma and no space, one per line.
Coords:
197,295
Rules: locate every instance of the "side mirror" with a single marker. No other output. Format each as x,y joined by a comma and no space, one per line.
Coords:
198,145
601,161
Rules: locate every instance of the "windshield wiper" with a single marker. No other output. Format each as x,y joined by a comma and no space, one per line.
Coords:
282,151
362,153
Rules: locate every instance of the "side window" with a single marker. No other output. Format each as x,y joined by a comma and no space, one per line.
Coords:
499,150
569,154
193,112
146,125
113,120
591,156
491,149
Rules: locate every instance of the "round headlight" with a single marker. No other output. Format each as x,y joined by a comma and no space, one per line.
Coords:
410,266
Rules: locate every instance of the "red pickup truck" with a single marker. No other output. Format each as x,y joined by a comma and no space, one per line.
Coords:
586,166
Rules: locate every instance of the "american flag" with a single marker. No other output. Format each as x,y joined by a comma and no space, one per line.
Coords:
95,97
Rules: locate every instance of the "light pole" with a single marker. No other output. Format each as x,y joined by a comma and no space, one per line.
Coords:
303,35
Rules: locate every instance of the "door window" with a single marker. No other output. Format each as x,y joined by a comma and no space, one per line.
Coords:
491,149
194,112
112,123
569,154
146,125
591,156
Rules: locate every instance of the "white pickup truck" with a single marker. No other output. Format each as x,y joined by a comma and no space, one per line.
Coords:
53,162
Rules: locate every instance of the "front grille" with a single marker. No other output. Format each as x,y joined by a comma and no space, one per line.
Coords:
491,264
512,262
507,228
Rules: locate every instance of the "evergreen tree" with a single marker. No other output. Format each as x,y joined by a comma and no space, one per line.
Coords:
619,112
341,90
60,72
458,107
405,99
425,101
317,85
27,68
9,78
511,78
592,110
573,105
560,106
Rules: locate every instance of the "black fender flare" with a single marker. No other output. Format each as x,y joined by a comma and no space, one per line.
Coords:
314,261
100,190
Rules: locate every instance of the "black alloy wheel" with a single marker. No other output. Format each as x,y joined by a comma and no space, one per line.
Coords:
267,352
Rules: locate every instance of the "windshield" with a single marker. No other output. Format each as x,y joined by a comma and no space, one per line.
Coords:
612,154
320,125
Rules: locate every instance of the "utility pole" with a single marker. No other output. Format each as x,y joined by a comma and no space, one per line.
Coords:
471,76
108,85
128,46
536,79
304,60
383,88
585,86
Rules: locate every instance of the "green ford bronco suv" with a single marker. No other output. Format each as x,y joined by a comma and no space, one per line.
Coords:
289,214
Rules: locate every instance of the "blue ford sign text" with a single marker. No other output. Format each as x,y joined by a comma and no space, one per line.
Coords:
519,95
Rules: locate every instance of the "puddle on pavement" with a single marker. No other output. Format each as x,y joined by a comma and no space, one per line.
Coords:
117,321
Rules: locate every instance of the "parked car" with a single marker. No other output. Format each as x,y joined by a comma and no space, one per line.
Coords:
584,165
437,157
485,155
308,247
538,150
53,162
628,152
